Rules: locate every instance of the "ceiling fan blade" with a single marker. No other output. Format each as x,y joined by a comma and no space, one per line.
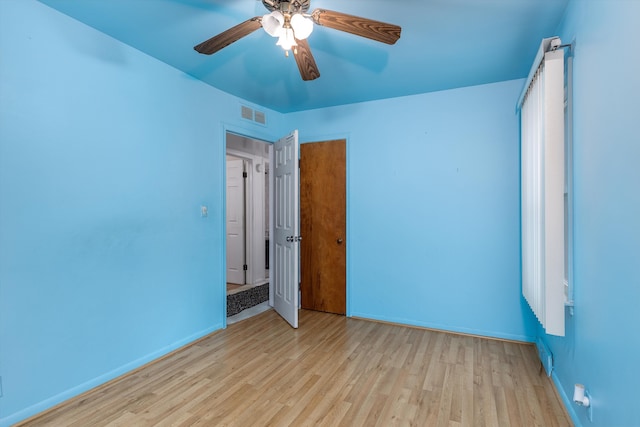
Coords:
306,63
363,27
225,38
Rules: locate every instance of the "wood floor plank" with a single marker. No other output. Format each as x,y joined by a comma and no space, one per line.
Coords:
332,371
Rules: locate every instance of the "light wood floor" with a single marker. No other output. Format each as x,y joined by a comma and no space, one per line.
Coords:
332,371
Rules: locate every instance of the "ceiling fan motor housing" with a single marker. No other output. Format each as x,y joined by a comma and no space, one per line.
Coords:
294,6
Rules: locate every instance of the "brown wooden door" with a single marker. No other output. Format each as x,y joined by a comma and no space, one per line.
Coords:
323,226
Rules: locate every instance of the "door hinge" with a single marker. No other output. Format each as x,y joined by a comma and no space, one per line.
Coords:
245,267
244,174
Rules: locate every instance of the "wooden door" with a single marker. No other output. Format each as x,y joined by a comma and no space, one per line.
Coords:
286,226
323,226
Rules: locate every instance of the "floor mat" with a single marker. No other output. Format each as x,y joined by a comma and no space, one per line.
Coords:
246,299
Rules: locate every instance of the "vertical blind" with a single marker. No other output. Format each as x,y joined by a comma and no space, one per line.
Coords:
541,109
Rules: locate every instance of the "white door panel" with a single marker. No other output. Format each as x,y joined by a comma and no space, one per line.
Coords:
286,227
235,222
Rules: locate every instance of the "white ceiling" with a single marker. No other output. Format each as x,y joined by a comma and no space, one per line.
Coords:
445,44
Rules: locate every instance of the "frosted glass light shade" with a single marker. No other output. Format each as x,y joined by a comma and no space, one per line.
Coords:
287,41
273,22
302,27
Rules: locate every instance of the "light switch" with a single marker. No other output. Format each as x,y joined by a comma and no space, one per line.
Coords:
204,211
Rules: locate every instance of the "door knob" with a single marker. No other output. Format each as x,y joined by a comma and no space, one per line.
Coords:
339,241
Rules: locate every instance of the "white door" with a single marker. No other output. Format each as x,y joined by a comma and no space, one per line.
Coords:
286,226
235,221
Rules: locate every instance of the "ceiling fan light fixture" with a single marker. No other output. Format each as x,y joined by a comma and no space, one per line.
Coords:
302,26
273,23
290,22
287,40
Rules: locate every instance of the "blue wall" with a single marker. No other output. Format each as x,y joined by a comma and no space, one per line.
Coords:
433,208
602,346
106,156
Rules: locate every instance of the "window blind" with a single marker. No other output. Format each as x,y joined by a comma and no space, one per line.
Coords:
541,108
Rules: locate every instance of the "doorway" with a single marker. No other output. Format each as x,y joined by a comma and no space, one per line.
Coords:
247,222
321,183
323,226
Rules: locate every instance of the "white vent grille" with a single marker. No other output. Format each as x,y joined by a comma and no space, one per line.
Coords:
256,116
247,113
260,117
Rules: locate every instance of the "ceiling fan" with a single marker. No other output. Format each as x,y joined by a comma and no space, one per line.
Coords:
289,21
